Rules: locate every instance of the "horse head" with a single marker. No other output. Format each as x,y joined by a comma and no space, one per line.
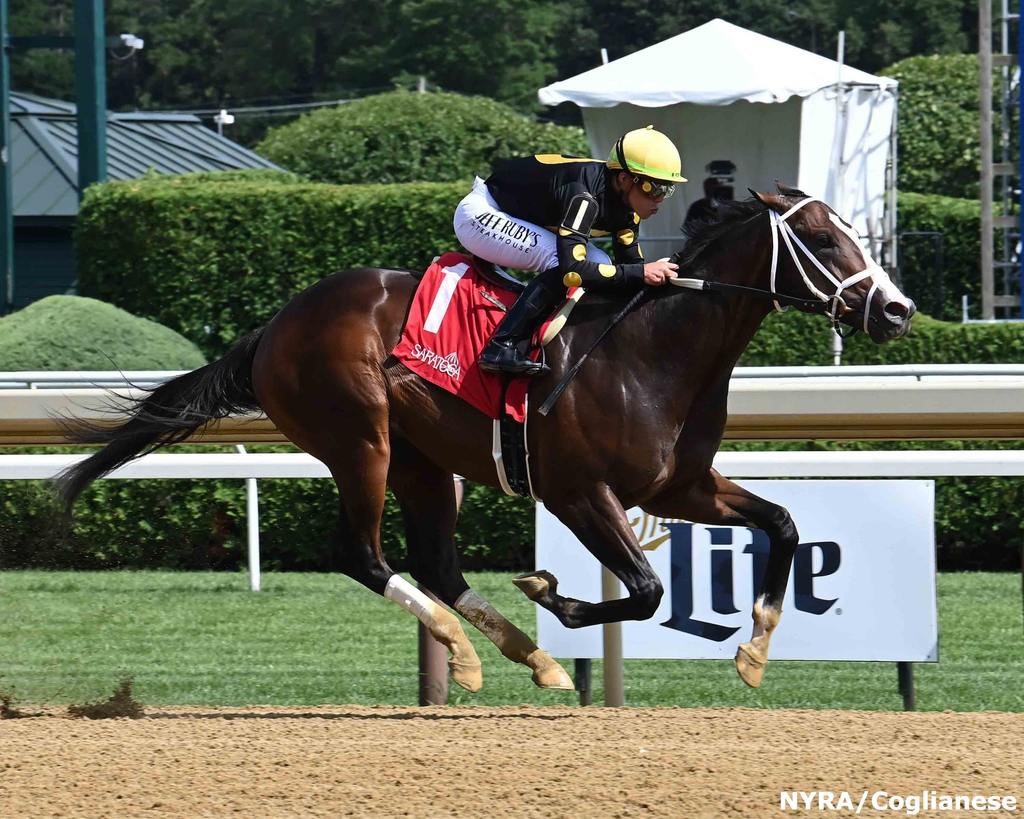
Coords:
817,252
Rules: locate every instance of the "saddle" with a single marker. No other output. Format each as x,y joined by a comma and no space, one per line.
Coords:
459,301
490,272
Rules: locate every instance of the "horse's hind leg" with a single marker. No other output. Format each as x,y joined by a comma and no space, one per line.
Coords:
426,495
360,472
715,499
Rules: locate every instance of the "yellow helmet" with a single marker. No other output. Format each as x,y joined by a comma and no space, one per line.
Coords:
649,153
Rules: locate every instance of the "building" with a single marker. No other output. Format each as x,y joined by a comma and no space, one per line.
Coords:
44,154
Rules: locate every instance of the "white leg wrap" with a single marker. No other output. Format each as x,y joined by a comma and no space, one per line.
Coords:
444,626
399,591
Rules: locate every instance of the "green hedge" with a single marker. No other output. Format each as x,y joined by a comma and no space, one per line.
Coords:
215,260
193,524
938,146
405,137
200,524
797,339
938,278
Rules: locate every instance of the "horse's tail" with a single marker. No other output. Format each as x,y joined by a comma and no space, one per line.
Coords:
167,415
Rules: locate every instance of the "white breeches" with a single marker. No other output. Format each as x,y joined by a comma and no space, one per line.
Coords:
490,233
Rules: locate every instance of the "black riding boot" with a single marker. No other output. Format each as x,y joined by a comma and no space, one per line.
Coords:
508,348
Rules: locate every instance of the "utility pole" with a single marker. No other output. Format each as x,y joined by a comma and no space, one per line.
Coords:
6,191
90,92
985,88
89,44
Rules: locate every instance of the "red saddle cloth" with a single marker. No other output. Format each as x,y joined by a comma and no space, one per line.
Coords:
449,323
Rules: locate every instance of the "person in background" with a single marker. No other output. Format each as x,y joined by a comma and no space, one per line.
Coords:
717,188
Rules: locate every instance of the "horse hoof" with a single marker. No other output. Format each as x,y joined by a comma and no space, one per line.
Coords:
469,675
553,677
536,584
547,673
750,665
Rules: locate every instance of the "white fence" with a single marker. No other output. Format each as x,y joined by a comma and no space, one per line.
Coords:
773,403
904,401
765,402
250,467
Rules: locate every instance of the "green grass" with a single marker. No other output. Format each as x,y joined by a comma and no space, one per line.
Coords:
204,639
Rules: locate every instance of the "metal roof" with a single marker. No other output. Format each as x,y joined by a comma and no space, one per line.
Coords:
44,151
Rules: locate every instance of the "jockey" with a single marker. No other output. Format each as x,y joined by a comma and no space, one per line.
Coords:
538,213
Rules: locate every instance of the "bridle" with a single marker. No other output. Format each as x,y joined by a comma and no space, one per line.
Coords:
832,306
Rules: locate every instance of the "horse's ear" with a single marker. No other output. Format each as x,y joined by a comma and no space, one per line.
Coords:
789,190
770,200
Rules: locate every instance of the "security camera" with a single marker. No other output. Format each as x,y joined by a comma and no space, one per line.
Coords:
132,42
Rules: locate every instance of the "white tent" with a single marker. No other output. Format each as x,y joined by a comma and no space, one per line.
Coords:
776,111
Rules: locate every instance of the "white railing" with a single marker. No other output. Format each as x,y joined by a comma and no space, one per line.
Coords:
250,467
912,401
843,402
778,403
245,466
64,379
55,379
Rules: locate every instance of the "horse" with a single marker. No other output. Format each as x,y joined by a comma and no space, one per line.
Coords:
638,426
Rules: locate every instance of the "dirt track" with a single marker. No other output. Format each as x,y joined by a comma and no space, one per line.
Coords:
350,761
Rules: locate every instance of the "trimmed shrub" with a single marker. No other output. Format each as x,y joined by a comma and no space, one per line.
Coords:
797,339
266,176
215,261
935,276
74,333
406,137
939,123
200,524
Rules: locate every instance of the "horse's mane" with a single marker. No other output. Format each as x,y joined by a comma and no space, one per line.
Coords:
701,234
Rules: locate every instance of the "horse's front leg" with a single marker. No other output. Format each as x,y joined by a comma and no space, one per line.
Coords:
599,522
714,499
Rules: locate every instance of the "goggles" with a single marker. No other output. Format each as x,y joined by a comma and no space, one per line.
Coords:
654,188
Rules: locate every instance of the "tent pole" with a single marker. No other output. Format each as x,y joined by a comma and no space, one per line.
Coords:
840,135
890,242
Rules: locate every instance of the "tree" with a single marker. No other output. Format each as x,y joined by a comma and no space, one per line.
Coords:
880,32
213,52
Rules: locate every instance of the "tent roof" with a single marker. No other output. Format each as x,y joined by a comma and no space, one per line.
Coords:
714,64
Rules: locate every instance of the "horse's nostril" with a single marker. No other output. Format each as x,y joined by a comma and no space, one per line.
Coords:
898,310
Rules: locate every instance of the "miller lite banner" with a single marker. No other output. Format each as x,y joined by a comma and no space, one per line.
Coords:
862,585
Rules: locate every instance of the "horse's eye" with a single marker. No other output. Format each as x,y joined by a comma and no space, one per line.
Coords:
824,240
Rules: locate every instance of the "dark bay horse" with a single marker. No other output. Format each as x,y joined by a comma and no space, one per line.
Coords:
639,426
